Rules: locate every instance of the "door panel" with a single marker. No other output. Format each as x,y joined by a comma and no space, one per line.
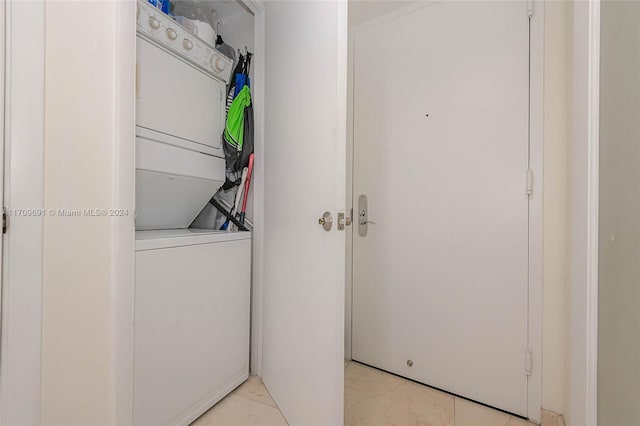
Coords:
304,175
441,151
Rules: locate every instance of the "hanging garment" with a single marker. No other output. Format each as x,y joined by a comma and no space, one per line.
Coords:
234,129
241,80
231,87
234,134
247,142
238,133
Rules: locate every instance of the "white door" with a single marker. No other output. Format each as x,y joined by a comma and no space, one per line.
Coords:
304,176
441,152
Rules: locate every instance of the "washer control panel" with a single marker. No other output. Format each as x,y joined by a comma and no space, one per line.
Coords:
163,30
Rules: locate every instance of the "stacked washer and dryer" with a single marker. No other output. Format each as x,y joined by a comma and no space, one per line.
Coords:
192,286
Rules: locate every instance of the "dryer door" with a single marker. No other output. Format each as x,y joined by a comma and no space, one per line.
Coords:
177,99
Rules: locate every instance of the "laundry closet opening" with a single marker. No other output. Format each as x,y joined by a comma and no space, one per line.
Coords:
195,133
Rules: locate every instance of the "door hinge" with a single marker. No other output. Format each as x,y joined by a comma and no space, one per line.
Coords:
4,220
528,361
529,182
530,8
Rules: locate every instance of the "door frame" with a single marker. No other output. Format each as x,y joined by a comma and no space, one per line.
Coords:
257,7
21,172
536,133
584,190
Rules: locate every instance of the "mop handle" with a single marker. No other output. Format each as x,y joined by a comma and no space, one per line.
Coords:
247,184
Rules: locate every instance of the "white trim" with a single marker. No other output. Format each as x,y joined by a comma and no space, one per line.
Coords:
348,283
534,383
583,296
342,70
536,210
257,7
20,381
123,228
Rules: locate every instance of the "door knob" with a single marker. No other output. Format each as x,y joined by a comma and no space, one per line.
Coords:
326,221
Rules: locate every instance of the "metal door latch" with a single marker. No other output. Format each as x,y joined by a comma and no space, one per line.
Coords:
343,221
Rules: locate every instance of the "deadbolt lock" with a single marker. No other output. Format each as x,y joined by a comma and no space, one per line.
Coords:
326,221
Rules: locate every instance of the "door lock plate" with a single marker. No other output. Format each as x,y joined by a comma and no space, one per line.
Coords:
363,215
343,221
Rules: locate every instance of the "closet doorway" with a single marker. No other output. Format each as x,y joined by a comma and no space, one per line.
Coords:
443,202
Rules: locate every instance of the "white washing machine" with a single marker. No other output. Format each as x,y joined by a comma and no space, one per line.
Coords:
192,287
191,317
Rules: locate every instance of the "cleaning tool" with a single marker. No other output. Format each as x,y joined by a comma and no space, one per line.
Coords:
238,197
247,185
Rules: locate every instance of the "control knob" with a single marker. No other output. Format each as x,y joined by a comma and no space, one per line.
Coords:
188,44
154,23
217,63
171,34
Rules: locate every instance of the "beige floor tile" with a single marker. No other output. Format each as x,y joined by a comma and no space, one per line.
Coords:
550,418
369,381
254,389
237,410
381,410
517,421
468,413
374,398
427,406
231,411
265,415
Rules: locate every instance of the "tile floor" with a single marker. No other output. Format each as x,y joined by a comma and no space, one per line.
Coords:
372,398
249,405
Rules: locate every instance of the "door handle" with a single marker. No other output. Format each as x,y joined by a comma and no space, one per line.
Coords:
363,216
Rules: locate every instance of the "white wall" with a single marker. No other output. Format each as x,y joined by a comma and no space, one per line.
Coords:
619,234
556,138
237,31
80,123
